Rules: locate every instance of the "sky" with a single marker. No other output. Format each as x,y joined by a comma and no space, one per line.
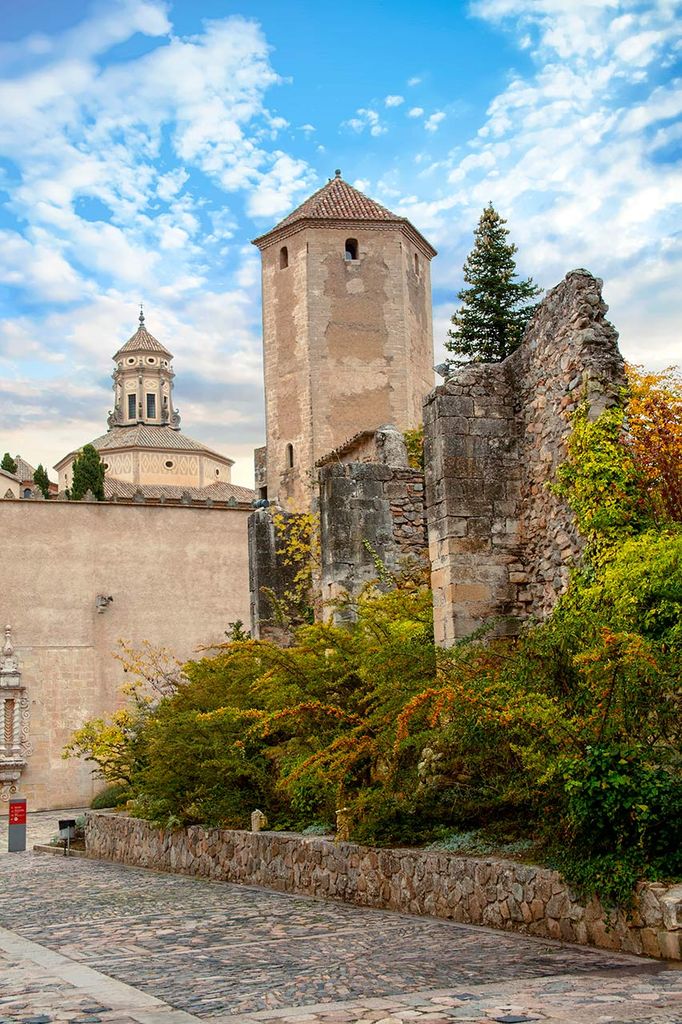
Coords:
143,144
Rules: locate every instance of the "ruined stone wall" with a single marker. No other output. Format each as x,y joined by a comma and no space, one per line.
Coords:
368,509
177,575
270,577
488,891
501,543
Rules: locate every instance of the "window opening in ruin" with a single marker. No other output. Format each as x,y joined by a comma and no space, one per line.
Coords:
27,492
351,252
131,407
151,407
262,492
416,264
290,456
283,258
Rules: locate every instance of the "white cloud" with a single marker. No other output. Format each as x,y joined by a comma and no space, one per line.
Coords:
415,80
276,191
394,101
570,155
415,112
433,121
366,119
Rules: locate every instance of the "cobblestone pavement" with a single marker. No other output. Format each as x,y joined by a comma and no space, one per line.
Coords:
91,942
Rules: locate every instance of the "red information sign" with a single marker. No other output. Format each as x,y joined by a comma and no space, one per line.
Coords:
17,813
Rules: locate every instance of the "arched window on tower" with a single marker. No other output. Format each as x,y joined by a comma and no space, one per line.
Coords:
290,456
351,252
283,258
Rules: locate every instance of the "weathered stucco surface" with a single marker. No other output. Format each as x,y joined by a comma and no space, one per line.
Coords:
498,893
347,343
501,543
177,576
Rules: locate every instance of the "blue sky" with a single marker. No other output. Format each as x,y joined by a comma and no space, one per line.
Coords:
143,144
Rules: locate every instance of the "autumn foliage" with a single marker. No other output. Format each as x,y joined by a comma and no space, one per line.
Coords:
565,740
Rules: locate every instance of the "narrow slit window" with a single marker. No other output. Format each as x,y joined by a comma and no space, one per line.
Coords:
131,407
290,456
283,258
351,252
151,407
416,264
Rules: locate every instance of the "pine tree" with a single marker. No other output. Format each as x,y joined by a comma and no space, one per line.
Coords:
88,474
41,480
8,463
495,308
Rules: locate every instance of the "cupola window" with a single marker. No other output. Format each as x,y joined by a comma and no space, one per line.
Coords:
169,464
131,407
290,456
151,407
351,251
131,360
283,258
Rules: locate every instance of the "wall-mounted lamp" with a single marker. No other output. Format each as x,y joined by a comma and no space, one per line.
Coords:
102,603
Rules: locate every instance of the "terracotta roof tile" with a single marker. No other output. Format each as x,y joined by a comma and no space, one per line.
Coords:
337,200
143,341
114,488
145,435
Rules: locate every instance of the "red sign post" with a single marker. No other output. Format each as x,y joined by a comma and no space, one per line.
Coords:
17,812
16,832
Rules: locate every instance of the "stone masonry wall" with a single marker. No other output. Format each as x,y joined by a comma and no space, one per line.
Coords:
268,572
497,893
501,543
366,509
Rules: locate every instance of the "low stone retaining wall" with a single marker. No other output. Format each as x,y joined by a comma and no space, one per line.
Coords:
488,891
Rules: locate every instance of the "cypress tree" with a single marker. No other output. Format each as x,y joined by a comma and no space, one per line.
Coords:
41,480
88,474
495,307
8,463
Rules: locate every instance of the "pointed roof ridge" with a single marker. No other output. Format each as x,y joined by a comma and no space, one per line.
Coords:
338,201
142,341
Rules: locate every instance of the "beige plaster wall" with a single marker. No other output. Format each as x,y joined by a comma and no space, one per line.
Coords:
142,466
348,344
178,576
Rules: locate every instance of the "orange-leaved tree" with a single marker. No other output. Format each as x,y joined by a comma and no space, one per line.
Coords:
654,420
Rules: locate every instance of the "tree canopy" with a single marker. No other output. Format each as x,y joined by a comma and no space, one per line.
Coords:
88,474
495,307
41,480
8,463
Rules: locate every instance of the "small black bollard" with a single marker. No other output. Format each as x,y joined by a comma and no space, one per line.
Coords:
67,831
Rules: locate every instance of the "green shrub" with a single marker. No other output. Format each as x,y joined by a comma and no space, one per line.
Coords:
110,796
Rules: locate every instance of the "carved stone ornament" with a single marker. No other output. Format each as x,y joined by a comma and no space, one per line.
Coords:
15,748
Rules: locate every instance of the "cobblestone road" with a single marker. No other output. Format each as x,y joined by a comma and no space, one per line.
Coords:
97,943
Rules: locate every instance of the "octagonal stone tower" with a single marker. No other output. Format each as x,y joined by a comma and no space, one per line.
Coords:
347,330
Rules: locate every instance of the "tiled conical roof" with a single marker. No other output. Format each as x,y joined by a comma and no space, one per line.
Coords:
143,341
337,200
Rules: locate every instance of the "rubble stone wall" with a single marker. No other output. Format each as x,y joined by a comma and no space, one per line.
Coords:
368,509
501,542
488,891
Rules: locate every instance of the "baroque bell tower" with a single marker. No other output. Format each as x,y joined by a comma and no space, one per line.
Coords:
143,383
347,330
